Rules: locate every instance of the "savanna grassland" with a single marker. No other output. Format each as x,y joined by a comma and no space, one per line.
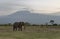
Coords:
30,32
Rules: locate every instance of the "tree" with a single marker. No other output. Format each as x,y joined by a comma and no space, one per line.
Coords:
52,22
55,24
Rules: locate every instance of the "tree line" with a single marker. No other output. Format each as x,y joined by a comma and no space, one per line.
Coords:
52,23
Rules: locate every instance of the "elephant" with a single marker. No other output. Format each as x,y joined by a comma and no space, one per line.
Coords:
18,26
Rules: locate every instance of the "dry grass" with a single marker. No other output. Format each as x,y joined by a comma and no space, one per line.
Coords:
31,32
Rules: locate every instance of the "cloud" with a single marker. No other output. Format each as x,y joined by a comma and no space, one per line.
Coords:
9,6
46,6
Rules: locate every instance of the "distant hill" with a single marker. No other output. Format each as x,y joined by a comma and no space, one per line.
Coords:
27,16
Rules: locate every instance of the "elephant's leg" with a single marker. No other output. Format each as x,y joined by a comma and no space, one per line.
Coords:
14,28
20,28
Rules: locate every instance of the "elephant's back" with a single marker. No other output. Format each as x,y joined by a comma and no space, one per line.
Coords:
16,24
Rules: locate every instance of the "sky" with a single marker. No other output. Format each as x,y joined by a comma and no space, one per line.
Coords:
37,6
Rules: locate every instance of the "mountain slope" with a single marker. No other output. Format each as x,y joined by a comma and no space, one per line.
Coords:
27,16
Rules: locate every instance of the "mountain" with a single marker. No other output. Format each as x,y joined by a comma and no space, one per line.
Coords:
56,14
27,16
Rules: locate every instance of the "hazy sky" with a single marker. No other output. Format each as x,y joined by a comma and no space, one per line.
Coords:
39,6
